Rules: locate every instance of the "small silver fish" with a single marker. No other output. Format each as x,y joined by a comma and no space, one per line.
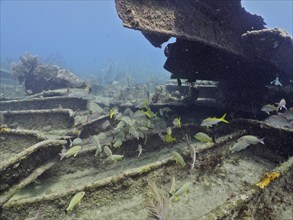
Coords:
29,92
77,141
251,139
178,158
106,124
276,82
70,143
117,144
107,151
139,113
128,111
75,200
192,151
134,132
115,157
287,114
70,152
184,189
278,121
268,108
281,105
163,110
99,148
127,120
120,125
193,160
173,186
169,131
238,146
203,137
139,149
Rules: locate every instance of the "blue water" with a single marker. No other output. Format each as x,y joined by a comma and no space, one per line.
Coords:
83,36
86,37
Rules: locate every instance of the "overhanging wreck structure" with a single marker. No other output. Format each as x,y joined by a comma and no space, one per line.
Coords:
215,40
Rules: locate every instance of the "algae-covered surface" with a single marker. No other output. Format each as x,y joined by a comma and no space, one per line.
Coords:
112,192
206,192
221,182
76,173
13,143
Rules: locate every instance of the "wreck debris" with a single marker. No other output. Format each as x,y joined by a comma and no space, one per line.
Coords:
38,77
215,40
274,45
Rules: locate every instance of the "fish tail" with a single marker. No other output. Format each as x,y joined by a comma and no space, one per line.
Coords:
261,140
61,155
223,118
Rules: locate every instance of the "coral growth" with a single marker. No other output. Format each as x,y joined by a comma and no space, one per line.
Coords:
157,202
38,77
25,66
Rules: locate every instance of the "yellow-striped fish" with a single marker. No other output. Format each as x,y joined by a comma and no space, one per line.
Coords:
209,122
177,122
168,136
113,111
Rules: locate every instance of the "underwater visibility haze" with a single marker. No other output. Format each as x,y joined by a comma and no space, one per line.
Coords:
83,36
133,109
